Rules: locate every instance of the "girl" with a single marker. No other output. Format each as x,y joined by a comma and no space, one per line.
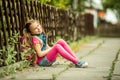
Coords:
47,55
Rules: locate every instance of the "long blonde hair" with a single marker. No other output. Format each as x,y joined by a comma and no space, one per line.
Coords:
27,31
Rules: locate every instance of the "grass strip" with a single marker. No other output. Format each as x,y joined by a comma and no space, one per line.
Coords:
113,66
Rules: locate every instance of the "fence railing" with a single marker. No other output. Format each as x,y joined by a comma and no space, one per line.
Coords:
57,22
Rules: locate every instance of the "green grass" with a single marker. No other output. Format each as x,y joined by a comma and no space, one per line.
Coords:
113,65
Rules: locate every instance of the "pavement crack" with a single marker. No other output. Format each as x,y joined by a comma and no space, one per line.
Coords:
113,65
54,76
91,51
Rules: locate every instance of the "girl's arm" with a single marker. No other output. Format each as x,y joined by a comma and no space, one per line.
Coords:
37,45
40,53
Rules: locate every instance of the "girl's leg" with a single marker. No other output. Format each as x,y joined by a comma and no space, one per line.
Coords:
66,47
57,48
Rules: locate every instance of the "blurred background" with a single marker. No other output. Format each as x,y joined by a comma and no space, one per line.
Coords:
106,13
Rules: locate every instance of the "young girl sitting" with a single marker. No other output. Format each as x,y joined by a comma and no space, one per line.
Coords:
45,55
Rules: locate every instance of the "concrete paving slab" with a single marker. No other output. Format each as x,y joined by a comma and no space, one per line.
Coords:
88,47
42,73
84,74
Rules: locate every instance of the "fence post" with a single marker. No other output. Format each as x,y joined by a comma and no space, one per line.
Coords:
22,6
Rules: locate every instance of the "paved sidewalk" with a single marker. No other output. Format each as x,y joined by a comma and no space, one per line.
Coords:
103,56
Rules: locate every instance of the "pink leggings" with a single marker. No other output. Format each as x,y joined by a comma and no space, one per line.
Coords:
62,48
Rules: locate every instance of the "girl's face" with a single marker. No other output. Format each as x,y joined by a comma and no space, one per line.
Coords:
36,28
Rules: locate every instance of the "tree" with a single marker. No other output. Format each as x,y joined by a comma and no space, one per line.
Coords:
67,4
112,4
